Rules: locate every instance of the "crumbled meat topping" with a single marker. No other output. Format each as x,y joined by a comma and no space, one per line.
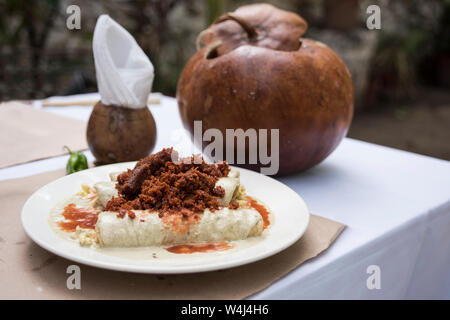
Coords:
123,212
233,205
171,186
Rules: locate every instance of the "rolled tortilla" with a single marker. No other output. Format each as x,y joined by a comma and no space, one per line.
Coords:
147,229
113,176
230,184
105,191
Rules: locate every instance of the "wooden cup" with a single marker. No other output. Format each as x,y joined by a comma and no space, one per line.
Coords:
119,134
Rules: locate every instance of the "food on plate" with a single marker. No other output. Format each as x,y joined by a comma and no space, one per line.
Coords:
255,71
164,200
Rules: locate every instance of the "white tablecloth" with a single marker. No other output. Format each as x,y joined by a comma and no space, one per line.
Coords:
396,206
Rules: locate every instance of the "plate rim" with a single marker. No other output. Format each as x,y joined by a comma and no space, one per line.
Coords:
146,269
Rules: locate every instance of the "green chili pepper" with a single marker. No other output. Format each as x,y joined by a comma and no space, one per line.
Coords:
77,161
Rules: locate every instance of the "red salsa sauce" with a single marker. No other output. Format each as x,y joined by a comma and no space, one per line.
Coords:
199,247
85,218
261,209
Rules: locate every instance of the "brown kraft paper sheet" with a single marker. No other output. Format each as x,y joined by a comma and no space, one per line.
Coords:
28,134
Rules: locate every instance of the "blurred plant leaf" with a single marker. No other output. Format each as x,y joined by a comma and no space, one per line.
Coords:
214,9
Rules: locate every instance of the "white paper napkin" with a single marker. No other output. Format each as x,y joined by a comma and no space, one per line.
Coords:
124,72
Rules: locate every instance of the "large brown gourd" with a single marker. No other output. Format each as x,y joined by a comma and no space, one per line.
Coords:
255,71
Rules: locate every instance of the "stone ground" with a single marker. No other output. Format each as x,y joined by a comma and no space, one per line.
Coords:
421,127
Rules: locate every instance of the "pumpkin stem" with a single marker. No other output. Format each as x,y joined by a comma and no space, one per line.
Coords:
211,52
198,41
251,32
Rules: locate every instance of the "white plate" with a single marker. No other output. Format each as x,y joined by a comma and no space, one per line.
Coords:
291,218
